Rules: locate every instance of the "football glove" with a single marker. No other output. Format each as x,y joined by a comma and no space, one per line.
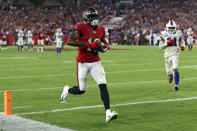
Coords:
105,47
93,45
170,42
182,48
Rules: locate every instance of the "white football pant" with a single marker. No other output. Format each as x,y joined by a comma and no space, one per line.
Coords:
40,42
59,44
95,69
3,43
190,40
30,42
171,62
20,42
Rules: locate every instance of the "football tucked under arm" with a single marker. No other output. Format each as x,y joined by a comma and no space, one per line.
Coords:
103,47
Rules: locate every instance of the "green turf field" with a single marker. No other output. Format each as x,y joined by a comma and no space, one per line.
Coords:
136,79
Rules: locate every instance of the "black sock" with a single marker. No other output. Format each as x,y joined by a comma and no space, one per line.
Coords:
75,91
104,95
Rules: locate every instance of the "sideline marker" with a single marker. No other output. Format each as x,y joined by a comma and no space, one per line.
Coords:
7,103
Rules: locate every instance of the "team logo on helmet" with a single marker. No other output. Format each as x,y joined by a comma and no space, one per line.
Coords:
91,17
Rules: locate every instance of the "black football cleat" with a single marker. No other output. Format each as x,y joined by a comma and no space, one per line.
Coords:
176,87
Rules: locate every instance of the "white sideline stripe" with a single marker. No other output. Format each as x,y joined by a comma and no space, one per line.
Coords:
116,83
97,106
17,123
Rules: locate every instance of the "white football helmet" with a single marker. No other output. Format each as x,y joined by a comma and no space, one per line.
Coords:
21,32
59,30
189,30
171,26
29,32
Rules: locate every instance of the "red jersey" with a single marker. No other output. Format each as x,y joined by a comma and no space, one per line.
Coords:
3,37
41,35
87,33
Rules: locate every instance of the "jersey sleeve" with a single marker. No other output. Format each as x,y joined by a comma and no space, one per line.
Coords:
181,41
78,27
163,42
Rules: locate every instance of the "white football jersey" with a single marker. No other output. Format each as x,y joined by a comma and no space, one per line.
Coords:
29,36
190,33
59,36
174,48
20,35
190,37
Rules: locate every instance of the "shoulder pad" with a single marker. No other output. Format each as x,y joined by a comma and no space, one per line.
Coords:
78,26
164,34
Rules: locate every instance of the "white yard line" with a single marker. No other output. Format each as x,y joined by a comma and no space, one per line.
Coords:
139,70
38,89
20,107
34,76
42,68
17,123
114,84
98,106
69,61
59,75
18,58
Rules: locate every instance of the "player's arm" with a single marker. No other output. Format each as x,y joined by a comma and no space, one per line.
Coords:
72,39
182,43
104,44
162,44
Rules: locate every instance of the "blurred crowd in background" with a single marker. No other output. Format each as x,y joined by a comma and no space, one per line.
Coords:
141,18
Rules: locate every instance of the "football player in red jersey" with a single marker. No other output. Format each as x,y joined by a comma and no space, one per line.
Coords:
4,40
41,38
88,37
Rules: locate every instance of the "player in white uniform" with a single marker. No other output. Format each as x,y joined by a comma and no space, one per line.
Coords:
190,39
171,40
30,41
59,40
20,41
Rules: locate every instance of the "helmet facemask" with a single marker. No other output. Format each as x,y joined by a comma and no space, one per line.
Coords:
91,17
171,27
59,31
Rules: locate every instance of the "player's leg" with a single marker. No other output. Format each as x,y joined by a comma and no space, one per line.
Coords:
5,45
168,66
18,45
39,43
175,63
98,74
22,42
42,45
32,45
82,73
58,46
190,47
29,45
